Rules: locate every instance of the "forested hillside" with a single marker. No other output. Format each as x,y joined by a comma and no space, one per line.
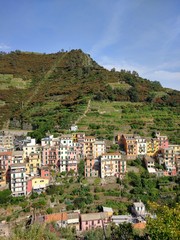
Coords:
44,92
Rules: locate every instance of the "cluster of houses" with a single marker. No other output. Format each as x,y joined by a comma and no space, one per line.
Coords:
154,151
87,221
28,168
25,165
90,221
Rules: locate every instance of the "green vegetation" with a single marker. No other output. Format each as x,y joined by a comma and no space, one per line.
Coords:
167,225
49,92
104,119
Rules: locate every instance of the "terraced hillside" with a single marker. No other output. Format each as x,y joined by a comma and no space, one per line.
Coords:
44,92
104,119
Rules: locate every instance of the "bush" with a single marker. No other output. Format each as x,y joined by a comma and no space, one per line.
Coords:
49,210
96,197
5,196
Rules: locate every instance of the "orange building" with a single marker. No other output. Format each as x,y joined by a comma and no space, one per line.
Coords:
130,145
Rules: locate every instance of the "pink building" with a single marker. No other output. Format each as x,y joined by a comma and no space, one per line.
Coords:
29,186
94,220
163,141
44,172
50,156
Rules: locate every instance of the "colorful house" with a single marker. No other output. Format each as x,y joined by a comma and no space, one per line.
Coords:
6,140
33,163
59,218
89,146
141,146
91,167
99,148
130,145
18,179
30,146
44,172
39,183
163,141
152,146
112,164
73,220
91,221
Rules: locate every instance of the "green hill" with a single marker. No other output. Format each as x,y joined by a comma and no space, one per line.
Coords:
51,91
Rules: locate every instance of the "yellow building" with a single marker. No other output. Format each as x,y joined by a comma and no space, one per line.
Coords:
33,163
39,183
175,147
152,146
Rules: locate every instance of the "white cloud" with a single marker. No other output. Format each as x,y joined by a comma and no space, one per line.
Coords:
169,79
4,47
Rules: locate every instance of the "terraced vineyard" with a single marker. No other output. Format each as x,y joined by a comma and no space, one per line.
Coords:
104,119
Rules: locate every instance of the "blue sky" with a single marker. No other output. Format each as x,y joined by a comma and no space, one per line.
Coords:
140,35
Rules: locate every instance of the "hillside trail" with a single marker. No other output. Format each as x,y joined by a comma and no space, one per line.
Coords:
85,112
45,78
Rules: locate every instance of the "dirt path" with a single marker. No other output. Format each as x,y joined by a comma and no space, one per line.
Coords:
84,114
45,78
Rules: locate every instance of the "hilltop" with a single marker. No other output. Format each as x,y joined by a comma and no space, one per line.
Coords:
44,92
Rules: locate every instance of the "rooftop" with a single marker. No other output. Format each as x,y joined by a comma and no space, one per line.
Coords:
94,216
56,217
74,215
138,204
18,165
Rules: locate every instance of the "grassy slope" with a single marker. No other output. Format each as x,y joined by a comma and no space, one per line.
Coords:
107,118
52,90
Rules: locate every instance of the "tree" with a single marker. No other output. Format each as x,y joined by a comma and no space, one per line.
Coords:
81,168
5,196
122,232
132,92
166,226
34,232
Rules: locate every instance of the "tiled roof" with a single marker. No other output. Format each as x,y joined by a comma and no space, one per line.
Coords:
138,204
140,225
56,217
6,153
73,215
18,165
94,216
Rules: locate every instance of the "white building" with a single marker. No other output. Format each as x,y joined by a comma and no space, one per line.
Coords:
18,179
74,128
139,209
30,146
66,140
141,145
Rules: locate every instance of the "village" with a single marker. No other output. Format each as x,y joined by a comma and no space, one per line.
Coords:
26,167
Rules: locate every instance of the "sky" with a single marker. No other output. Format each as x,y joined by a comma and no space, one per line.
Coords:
140,35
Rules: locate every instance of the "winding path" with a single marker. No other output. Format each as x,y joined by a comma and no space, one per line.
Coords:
85,112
